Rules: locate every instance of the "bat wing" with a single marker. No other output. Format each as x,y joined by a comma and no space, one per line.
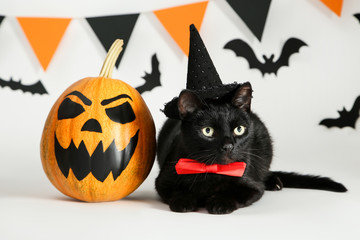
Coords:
3,83
291,46
346,119
357,15
356,107
332,122
242,49
152,80
37,87
353,114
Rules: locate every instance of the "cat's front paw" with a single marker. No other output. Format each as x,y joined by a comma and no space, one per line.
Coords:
183,204
221,205
273,183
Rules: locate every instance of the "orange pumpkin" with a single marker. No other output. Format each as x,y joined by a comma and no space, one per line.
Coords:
98,143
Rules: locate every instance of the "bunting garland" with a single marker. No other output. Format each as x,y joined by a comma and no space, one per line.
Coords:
253,13
334,5
109,28
45,34
177,20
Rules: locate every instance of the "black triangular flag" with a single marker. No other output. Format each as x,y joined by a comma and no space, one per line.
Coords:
1,18
253,13
110,28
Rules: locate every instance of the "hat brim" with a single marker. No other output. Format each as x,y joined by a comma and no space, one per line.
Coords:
216,92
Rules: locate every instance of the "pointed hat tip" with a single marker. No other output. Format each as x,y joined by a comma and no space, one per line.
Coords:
202,73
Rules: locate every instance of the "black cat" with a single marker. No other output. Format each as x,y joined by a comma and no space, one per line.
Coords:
221,131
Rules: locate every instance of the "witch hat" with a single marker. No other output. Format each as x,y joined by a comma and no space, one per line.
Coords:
202,77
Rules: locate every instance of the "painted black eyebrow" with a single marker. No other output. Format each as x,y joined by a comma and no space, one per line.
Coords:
110,100
85,100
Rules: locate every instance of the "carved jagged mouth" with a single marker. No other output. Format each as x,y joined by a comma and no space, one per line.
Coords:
100,163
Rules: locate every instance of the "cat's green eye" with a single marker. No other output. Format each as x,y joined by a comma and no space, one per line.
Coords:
208,131
240,130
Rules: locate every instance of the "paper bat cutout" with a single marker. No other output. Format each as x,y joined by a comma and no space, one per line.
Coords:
37,87
152,80
357,15
346,119
242,49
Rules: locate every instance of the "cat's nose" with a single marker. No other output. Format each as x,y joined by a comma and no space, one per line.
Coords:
228,147
227,144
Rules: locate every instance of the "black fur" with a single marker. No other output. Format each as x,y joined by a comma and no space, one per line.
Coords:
295,180
221,194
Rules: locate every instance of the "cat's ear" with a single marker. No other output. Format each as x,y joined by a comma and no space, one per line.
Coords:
188,102
242,97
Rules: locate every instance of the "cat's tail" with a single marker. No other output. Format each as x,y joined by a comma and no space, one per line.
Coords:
278,180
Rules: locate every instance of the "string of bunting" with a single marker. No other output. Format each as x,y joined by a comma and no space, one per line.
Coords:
45,34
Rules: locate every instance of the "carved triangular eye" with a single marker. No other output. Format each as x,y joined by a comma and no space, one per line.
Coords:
69,109
121,114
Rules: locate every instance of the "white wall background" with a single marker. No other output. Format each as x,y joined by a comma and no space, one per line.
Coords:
321,79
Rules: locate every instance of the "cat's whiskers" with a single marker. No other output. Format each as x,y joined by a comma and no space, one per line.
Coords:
254,155
206,156
212,160
201,152
256,149
256,167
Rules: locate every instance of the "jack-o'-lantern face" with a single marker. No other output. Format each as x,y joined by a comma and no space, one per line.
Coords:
99,140
89,150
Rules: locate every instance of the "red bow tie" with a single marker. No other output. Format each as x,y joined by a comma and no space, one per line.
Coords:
189,166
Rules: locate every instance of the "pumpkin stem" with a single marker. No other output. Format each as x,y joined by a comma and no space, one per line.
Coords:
111,57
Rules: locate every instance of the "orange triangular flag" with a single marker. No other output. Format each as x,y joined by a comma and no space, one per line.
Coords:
177,20
44,35
334,5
